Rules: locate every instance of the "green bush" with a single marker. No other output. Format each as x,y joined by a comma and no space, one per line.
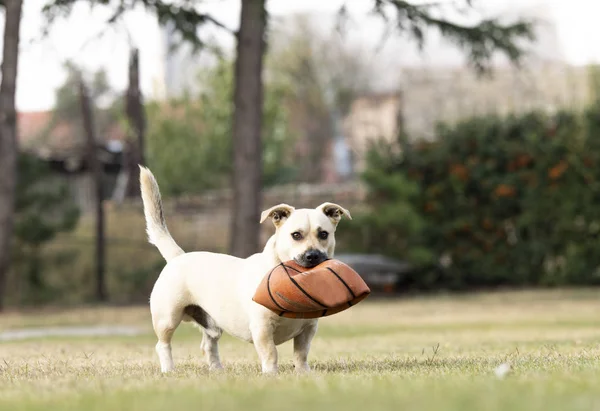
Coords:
44,209
391,223
499,201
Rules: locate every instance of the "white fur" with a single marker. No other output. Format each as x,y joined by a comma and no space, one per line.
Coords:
223,285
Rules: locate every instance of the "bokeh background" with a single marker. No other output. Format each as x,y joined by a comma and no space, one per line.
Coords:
463,136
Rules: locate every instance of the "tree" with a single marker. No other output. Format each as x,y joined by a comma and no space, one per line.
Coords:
76,107
247,117
189,140
87,115
480,41
67,109
43,208
247,123
8,134
134,144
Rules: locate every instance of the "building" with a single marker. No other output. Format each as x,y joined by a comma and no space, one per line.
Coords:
372,116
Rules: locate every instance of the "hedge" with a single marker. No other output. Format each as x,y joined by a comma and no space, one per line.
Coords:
492,201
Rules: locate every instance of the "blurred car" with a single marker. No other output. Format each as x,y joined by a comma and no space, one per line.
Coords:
381,273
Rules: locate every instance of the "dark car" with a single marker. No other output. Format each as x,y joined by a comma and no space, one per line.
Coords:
381,273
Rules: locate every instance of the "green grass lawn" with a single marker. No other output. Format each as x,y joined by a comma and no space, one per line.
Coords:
414,354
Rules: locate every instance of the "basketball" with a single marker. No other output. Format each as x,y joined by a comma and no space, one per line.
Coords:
293,291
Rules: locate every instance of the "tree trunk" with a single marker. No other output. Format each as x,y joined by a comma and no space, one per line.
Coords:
97,172
134,146
247,122
8,135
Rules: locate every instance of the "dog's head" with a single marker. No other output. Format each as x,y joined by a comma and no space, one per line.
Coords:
306,236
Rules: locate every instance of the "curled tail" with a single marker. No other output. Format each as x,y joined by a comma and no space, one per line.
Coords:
156,226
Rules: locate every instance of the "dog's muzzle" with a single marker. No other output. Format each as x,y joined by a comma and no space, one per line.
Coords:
311,258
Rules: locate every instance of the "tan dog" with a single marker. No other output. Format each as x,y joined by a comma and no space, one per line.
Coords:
215,290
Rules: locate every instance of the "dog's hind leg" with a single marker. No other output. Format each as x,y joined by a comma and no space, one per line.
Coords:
211,333
210,348
165,325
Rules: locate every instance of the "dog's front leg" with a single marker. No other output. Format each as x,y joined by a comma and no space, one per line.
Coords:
262,337
302,346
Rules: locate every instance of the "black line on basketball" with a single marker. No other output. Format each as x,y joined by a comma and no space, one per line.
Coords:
269,289
324,313
301,289
343,282
292,268
299,306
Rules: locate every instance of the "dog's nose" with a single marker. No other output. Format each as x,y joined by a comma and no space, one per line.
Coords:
313,257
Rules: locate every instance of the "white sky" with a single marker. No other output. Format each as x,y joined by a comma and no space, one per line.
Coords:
40,69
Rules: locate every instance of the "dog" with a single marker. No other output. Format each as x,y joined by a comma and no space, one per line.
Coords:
215,290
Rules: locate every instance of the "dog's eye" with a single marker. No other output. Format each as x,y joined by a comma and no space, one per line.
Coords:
323,235
297,236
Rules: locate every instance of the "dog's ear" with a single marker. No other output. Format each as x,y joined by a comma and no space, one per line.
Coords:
277,214
334,212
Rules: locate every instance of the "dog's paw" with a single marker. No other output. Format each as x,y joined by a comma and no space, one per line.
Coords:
270,371
216,368
166,370
302,368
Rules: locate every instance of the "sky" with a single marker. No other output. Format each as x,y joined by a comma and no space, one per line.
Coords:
83,39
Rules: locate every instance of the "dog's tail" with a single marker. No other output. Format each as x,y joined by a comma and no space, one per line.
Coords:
156,226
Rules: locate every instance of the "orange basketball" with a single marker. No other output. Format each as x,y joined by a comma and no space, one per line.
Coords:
294,291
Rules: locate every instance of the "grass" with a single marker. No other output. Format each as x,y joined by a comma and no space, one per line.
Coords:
415,354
